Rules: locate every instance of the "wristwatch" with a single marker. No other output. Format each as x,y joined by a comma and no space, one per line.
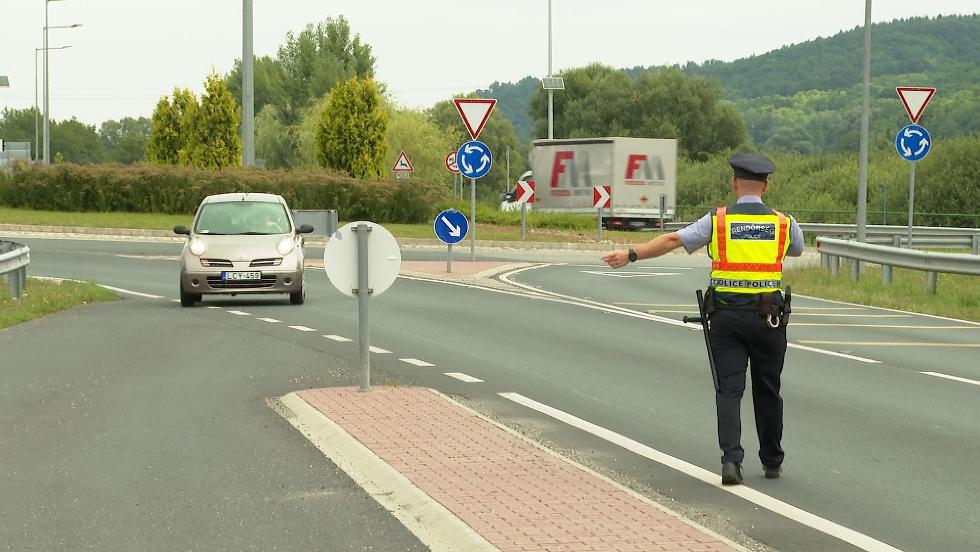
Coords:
632,255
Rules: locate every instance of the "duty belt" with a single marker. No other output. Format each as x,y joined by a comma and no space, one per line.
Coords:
745,284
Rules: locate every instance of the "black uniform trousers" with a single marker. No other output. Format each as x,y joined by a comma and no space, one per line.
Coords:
739,337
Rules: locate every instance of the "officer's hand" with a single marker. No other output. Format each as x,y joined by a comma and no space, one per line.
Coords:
617,259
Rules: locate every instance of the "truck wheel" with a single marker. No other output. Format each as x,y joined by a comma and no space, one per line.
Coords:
188,299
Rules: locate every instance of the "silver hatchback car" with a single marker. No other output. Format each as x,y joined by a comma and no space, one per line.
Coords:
242,243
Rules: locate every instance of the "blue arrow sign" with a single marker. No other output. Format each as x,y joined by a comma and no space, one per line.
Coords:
913,142
450,226
474,159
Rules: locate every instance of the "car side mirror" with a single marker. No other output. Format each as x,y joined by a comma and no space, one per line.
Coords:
182,230
304,229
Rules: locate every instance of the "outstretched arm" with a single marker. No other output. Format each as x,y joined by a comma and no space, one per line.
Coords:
653,248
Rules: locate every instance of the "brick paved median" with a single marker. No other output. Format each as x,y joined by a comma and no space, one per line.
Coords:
516,495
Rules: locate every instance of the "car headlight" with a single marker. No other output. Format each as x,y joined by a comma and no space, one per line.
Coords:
198,247
285,247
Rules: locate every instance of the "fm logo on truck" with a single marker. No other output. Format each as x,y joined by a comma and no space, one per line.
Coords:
569,173
652,170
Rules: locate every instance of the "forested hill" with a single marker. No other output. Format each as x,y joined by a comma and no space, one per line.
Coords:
806,97
944,50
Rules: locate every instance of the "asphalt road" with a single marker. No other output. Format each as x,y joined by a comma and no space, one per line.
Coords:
877,447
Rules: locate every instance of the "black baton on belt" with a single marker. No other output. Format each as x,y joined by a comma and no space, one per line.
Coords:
703,320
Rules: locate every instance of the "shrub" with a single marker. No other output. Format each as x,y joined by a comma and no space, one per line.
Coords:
148,188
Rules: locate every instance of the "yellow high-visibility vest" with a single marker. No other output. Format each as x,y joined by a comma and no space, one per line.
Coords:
747,250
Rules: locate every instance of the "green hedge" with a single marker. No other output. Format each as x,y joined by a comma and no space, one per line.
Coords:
178,190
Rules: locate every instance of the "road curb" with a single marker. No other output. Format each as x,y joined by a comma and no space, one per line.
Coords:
431,522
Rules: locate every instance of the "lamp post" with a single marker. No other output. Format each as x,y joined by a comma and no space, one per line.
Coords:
248,88
37,148
862,199
551,83
47,125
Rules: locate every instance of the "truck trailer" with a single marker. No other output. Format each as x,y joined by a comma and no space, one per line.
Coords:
641,173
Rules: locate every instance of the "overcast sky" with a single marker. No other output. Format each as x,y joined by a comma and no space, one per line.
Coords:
129,53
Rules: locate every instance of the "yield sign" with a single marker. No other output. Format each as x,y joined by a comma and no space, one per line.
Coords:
475,113
402,165
524,192
915,100
601,197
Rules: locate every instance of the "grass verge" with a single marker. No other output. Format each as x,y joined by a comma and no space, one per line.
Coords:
149,221
957,297
43,297
544,228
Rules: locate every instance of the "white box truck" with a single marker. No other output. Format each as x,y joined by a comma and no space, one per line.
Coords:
638,170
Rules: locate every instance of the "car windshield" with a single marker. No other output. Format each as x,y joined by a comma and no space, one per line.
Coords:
242,217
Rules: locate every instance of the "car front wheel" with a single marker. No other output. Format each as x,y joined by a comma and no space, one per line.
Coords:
188,299
298,298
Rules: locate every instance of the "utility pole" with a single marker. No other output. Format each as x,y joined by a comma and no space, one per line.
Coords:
248,88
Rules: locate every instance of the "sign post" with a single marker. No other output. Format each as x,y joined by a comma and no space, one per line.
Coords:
362,272
524,194
601,198
474,160
475,112
663,207
913,142
450,227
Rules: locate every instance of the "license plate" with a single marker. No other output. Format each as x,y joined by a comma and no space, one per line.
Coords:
233,276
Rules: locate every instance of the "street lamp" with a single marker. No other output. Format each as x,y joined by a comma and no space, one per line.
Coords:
47,128
248,88
36,110
551,83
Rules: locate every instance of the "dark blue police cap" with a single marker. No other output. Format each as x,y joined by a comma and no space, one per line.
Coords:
751,166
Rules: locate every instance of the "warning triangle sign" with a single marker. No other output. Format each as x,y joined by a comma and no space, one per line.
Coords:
475,113
915,100
402,165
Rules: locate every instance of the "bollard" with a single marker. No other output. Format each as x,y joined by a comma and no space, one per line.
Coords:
931,278
834,265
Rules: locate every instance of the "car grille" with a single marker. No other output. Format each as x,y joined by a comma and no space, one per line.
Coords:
266,262
216,263
215,282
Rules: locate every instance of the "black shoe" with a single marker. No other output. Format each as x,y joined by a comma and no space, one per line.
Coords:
772,473
731,473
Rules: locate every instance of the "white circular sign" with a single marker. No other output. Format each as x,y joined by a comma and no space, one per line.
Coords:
340,258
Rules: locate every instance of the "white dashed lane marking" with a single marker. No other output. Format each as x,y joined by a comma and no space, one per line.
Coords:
379,350
303,328
463,377
269,320
338,338
239,313
416,362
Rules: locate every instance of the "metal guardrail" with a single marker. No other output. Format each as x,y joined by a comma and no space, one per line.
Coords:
832,250
14,259
922,236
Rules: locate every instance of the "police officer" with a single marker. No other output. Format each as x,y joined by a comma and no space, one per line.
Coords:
747,242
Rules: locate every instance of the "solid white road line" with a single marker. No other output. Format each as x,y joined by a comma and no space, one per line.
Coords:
831,353
463,377
338,338
636,314
894,344
214,307
798,515
949,377
131,292
416,362
303,328
175,300
239,313
269,320
378,350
